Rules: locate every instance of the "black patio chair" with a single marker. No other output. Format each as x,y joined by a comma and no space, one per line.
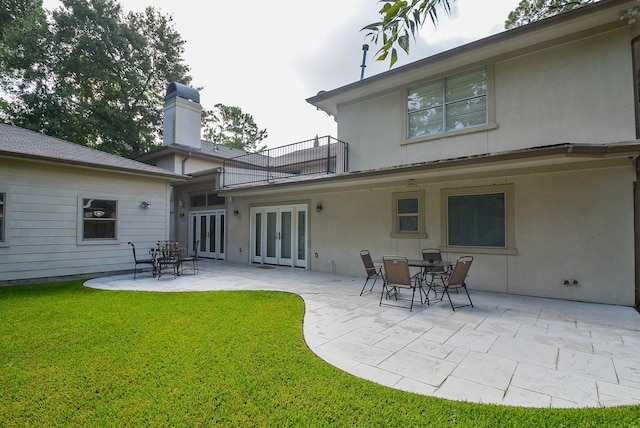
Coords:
169,257
372,271
192,258
431,273
138,261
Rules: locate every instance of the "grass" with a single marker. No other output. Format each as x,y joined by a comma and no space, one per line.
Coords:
73,356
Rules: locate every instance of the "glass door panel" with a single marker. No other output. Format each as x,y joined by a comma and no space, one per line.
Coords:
302,236
285,236
272,235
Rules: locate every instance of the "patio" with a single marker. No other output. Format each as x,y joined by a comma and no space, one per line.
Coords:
511,350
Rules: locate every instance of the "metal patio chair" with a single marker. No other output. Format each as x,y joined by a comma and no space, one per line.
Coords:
397,276
138,261
192,258
455,280
169,256
431,273
372,271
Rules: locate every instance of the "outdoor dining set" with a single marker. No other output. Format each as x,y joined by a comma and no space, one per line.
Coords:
434,275
167,257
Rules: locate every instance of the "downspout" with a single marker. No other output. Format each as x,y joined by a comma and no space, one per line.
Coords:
184,162
636,231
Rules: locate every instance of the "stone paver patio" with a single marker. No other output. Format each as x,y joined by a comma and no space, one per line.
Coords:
511,350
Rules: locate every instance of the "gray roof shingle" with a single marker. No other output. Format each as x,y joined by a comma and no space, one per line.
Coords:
25,143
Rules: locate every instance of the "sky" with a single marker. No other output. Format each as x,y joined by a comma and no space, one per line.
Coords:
268,57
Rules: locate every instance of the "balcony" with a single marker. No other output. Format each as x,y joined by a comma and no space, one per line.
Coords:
318,156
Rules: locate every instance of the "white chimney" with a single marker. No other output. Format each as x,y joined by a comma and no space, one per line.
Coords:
182,116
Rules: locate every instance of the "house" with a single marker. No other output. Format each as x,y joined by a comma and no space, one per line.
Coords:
197,213
68,211
520,149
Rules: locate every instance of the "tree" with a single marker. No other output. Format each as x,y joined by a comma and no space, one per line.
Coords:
400,21
92,75
231,127
534,10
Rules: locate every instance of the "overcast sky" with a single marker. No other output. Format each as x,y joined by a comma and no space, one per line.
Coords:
267,57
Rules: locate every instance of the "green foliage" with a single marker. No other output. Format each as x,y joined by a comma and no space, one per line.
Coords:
92,74
400,21
534,10
73,356
231,127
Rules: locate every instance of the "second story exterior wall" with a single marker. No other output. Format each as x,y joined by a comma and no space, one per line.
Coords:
571,91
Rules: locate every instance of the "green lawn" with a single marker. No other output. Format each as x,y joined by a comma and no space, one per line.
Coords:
72,356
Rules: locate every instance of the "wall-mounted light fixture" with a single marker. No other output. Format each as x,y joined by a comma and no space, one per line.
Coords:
235,211
319,207
145,204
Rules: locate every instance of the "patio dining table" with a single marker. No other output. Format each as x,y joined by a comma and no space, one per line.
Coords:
167,254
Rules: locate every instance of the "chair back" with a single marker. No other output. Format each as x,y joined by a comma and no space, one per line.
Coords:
133,248
435,255
460,271
196,246
396,269
368,263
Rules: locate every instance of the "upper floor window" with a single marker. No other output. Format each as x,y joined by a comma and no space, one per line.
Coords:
99,219
449,104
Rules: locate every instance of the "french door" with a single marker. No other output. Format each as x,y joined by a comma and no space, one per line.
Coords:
208,227
279,235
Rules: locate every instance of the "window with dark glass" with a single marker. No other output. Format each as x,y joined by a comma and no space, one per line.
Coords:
198,201
477,220
99,219
407,215
203,200
448,104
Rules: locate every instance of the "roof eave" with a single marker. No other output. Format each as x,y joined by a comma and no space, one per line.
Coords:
87,165
597,17
546,154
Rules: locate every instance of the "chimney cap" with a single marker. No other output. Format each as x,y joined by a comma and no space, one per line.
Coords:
175,89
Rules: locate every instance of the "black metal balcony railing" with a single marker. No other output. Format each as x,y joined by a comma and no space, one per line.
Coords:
320,155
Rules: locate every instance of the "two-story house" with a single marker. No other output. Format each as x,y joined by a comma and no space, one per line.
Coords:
519,149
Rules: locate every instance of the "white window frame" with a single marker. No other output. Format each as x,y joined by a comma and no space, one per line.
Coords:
81,240
395,216
508,191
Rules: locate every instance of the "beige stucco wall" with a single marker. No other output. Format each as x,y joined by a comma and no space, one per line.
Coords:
43,217
559,233
578,92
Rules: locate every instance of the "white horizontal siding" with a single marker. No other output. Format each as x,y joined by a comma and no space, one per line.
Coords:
43,216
